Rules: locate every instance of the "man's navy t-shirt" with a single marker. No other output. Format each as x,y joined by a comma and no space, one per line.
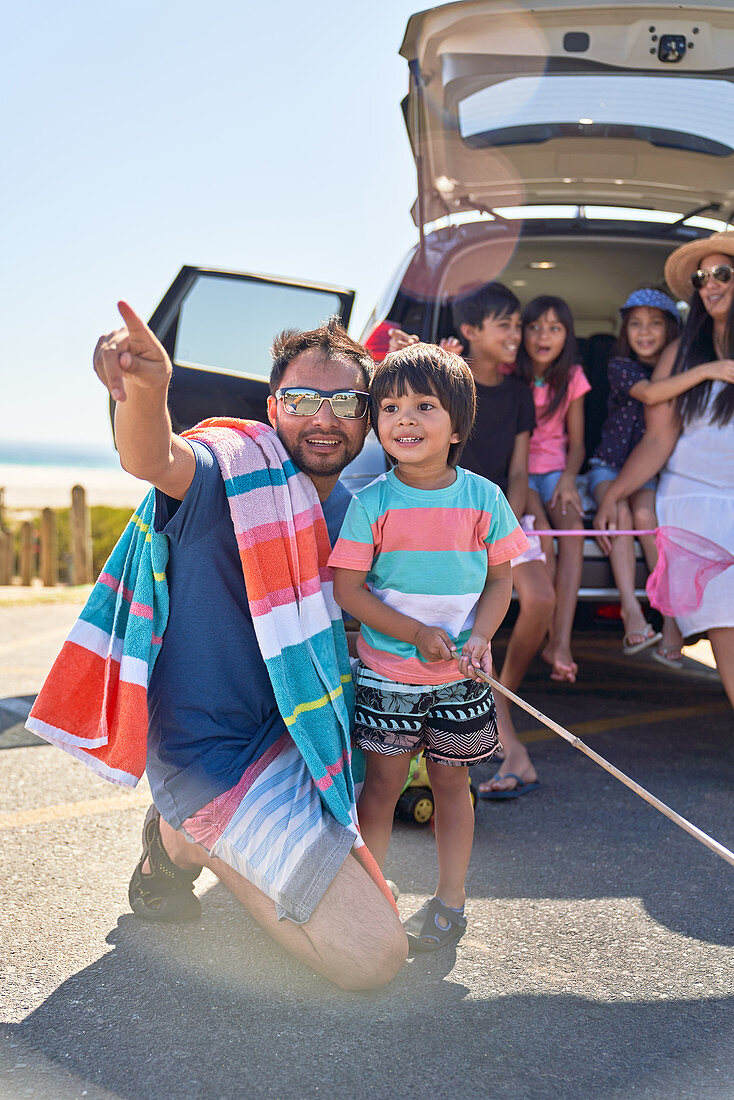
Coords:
211,705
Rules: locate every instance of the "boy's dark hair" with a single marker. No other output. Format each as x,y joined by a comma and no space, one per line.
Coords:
427,368
559,372
489,300
330,339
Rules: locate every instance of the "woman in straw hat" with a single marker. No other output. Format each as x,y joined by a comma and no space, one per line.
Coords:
693,437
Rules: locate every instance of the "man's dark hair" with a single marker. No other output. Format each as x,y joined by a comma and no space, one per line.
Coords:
489,300
427,368
330,339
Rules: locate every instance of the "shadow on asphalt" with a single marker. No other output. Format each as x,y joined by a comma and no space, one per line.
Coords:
164,1014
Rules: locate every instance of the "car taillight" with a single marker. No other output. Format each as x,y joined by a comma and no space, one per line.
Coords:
607,611
378,341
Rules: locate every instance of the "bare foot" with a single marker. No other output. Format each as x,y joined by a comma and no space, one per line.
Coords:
565,669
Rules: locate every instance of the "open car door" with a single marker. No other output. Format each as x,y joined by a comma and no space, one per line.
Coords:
218,326
606,102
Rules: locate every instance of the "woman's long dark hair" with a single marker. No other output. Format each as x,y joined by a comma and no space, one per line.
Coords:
559,371
697,346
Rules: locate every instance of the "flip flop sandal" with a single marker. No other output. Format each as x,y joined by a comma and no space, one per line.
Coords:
520,788
426,934
669,655
166,892
648,637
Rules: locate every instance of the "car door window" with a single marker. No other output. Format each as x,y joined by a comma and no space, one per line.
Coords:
227,322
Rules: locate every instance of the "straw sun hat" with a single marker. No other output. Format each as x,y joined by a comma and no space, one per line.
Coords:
682,263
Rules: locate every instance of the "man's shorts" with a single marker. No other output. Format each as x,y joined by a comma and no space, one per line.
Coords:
454,723
274,830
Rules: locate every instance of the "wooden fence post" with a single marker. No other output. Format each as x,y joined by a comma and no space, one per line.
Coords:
81,538
6,557
26,553
7,546
49,548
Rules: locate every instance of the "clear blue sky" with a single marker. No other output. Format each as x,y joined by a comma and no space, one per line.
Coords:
140,136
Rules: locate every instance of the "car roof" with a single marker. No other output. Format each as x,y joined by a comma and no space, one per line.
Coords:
571,101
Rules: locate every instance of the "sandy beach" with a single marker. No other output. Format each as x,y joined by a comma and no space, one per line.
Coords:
31,488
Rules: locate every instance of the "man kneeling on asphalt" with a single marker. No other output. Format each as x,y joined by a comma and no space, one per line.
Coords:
225,774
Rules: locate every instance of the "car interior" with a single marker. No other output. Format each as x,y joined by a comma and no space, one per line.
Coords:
594,275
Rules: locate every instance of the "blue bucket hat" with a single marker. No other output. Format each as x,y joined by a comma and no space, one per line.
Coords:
653,298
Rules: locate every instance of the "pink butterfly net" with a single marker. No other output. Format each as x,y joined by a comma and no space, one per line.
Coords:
686,563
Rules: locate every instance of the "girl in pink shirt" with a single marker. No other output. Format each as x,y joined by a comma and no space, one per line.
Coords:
546,361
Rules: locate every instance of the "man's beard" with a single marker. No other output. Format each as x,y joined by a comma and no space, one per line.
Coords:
324,464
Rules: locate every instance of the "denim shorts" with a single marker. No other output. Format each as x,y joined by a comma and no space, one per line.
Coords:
599,471
453,723
545,484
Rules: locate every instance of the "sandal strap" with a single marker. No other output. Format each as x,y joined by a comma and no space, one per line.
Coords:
161,865
430,929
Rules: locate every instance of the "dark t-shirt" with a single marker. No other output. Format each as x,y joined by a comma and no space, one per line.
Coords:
624,426
211,705
503,412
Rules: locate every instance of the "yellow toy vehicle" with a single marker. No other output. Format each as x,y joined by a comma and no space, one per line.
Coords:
416,801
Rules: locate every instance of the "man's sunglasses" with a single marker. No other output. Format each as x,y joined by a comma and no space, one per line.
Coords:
346,404
722,273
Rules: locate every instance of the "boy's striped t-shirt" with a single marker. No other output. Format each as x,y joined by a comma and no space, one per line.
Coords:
425,553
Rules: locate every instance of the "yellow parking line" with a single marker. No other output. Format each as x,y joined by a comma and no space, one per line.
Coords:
42,815
622,721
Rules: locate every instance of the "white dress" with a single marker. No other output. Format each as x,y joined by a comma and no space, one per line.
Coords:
696,492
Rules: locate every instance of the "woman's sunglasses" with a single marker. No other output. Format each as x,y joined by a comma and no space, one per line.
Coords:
346,404
722,273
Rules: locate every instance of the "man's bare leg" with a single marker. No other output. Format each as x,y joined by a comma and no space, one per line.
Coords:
354,937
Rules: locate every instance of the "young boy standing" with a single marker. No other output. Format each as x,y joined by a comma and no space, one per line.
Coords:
422,562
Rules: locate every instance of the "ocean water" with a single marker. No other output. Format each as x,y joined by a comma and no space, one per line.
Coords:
41,475
41,453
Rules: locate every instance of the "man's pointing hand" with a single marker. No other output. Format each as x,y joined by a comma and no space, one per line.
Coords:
131,356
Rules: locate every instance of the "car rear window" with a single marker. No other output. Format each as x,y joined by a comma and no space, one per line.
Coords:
228,323
680,112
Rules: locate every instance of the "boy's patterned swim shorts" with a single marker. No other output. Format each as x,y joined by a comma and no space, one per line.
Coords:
454,723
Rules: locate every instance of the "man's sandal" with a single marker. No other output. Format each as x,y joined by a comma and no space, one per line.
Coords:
424,931
166,893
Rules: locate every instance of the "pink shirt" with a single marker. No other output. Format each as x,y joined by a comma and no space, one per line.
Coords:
549,441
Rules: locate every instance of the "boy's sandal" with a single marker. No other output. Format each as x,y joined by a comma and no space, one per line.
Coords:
426,934
166,892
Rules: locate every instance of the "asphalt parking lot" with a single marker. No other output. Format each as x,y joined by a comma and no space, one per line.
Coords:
598,960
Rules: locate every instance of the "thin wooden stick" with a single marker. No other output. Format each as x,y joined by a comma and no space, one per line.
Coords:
676,818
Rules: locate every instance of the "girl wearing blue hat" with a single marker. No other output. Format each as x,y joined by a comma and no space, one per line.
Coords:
650,322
